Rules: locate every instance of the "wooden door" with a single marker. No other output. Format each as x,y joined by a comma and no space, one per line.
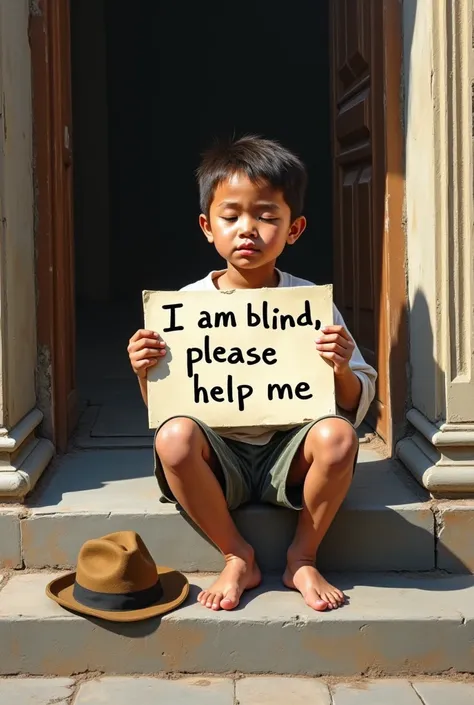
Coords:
368,180
51,74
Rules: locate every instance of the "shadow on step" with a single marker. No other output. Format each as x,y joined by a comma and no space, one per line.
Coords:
137,630
386,523
383,539
372,594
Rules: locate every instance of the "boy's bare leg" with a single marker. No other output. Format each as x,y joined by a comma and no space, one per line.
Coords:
325,464
187,461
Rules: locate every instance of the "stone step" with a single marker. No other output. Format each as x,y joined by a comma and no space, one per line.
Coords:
408,624
384,524
212,690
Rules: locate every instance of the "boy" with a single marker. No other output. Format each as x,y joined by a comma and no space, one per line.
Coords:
251,196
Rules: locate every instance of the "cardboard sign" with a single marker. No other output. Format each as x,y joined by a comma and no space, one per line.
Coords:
240,358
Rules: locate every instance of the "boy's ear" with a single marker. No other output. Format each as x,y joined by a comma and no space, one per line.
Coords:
206,228
297,228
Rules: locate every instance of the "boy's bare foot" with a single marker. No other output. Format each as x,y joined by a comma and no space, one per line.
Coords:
238,575
316,591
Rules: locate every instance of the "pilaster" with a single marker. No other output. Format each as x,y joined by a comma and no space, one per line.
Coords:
22,456
440,453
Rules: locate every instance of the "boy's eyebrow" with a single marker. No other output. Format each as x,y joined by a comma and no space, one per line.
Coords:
264,204
269,204
228,204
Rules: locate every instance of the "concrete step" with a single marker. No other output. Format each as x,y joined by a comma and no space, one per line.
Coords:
393,625
212,690
384,524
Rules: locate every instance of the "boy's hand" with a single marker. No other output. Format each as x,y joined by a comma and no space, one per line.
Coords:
336,346
145,348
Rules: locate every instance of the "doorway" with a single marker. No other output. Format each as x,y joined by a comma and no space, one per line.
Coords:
150,90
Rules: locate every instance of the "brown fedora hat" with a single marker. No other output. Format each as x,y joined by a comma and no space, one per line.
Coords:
116,579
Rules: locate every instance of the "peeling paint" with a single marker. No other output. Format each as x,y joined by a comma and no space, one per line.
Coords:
438,529
35,9
454,544
44,374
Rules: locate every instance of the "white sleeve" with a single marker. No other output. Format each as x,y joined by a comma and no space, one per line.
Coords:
364,372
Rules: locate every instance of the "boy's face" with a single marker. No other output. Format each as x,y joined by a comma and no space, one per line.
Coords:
250,224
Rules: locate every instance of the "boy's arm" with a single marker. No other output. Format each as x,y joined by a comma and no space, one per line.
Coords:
143,389
336,346
354,378
145,349
348,389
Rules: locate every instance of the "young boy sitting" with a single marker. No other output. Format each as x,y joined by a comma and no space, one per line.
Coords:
251,196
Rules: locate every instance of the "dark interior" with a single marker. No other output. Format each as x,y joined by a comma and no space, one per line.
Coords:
178,75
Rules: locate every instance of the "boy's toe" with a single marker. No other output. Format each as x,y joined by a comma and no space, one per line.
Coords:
231,600
216,602
337,598
205,598
211,599
316,601
331,600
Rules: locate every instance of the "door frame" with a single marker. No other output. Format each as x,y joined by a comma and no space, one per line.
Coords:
52,135
394,277
392,352
55,243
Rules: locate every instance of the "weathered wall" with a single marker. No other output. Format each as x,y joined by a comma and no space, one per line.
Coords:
17,275
439,72
438,48
420,207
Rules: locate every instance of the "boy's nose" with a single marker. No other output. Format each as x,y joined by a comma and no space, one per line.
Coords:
248,227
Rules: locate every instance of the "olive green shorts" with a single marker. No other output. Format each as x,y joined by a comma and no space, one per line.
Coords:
252,473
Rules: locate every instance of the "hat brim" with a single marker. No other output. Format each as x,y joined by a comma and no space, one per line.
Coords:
175,590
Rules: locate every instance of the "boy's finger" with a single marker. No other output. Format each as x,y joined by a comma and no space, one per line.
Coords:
336,329
140,365
333,338
333,356
142,333
332,347
146,343
149,352
148,362
149,343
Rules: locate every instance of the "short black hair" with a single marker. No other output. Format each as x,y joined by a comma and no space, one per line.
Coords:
260,160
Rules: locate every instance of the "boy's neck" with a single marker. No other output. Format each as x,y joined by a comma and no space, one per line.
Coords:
248,279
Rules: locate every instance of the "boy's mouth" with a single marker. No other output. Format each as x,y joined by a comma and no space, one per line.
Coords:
247,247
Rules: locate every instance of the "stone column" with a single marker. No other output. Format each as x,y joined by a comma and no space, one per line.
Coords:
439,74
22,456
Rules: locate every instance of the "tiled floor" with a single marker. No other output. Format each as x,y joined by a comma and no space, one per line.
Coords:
205,690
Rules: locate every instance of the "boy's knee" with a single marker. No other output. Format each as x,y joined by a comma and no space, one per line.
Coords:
335,441
177,439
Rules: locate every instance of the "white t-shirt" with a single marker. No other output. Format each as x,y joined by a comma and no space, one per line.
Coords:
259,435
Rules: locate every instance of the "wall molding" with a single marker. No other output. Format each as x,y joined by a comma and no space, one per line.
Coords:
23,457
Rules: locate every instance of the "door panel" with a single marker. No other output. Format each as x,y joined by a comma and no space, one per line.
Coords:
51,73
357,53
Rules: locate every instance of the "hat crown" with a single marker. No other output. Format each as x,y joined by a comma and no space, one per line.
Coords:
118,563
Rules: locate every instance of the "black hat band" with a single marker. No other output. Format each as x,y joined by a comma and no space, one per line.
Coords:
113,602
